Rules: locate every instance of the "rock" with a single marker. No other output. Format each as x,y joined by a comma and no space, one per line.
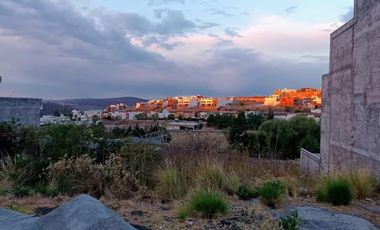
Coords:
81,213
314,218
41,211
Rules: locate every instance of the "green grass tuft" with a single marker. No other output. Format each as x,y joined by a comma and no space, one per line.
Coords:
271,192
336,190
245,192
208,203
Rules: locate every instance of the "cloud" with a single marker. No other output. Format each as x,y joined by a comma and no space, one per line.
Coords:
347,16
52,49
164,2
174,22
231,32
220,12
291,9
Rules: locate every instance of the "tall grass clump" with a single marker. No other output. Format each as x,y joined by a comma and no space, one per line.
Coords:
362,183
208,203
169,184
335,190
212,176
231,183
271,192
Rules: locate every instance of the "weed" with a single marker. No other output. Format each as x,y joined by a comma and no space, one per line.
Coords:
290,222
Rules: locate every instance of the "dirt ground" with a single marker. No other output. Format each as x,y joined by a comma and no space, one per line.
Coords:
153,215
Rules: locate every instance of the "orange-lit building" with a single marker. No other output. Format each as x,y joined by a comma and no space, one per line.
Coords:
250,100
305,97
208,103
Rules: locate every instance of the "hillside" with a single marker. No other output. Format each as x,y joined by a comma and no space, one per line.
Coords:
66,105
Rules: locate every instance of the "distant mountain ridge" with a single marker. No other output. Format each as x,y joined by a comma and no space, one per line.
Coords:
66,105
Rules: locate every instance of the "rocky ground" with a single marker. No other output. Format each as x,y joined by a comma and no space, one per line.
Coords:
252,214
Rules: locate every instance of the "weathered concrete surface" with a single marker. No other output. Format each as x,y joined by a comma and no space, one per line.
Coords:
314,218
25,111
81,213
310,162
350,128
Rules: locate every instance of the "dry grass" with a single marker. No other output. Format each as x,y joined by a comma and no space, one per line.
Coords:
211,175
169,185
361,182
7,167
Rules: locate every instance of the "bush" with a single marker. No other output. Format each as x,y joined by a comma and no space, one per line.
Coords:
245,192
339,192
361,182
21,191
169,185
141,162
78,175
119,182
290,222
335,190
270,192
208,203
44,189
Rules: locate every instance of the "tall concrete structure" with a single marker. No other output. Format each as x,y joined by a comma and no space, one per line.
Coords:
350,129
24,111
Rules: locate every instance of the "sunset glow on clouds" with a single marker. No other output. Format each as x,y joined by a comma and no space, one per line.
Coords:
154,48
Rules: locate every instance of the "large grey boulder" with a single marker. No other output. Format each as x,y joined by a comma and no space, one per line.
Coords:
314,218
82,213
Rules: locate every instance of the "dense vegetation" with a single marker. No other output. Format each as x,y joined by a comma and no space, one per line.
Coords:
32,150
269,138
199,174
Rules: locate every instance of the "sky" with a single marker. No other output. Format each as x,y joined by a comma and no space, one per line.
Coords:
55,49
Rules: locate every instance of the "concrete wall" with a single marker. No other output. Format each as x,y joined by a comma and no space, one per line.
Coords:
351,94
310,162
25,111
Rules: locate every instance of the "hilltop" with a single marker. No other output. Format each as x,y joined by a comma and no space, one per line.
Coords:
66,105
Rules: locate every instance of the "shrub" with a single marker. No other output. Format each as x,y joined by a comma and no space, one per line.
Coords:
361,182
339,192
245,192
141,162
21,191
270,192
119,182
335,190
44,189
208,203
212,176
169,185
80,175
290,222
